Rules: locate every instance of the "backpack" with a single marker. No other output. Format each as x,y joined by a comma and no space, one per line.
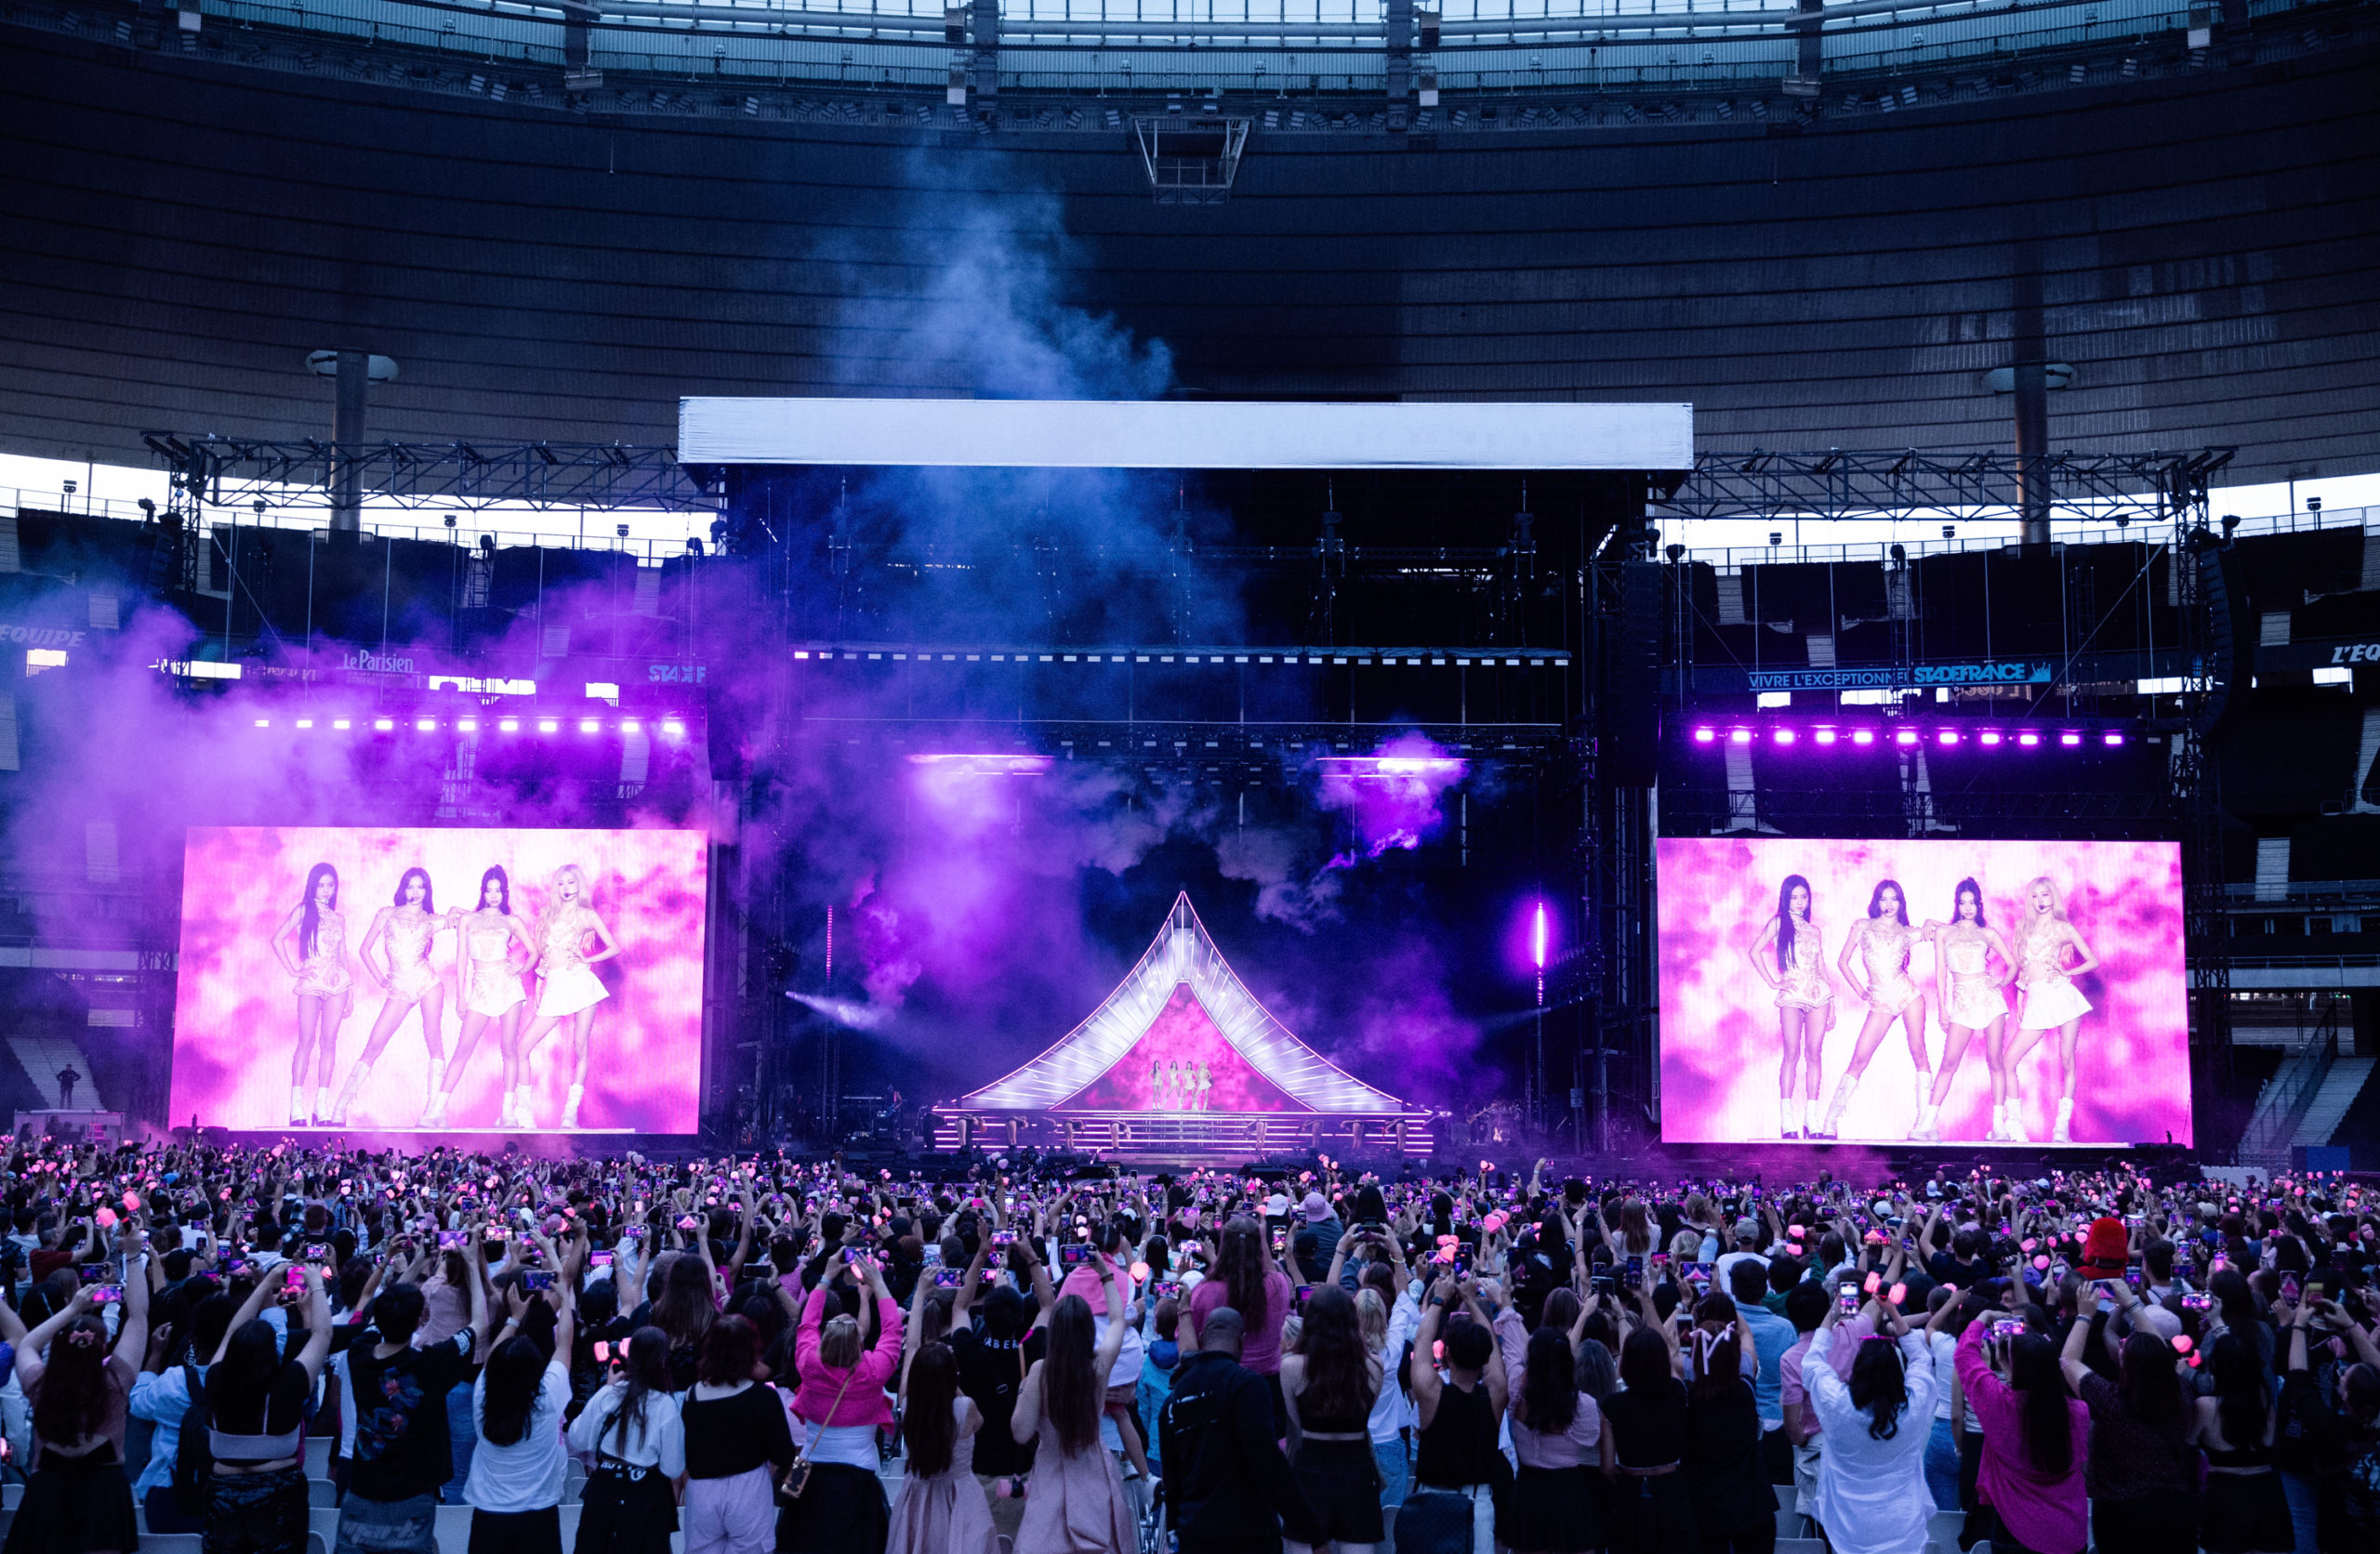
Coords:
193,1459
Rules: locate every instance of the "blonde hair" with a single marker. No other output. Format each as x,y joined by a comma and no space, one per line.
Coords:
2031,919
1371,1315
585,890
1686,1246
839,1343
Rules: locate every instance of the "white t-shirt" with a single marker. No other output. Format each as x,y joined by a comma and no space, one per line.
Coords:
1946,1370
527,1475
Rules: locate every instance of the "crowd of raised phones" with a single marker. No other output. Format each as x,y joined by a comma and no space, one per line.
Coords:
727,1356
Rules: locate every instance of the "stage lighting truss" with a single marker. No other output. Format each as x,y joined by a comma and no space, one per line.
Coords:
2152,487
1906,736
668,730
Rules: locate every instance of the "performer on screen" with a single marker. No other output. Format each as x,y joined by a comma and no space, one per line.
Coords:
1966,990
1804,999
1881,946
487,987
402,932
1206,1083
2051,1001
566,989
326,988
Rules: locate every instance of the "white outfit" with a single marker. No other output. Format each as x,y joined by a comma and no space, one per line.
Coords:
1871,1496
527,1475
660,1442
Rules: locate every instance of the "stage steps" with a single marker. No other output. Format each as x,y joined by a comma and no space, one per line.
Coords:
1186,1135
2333,1100
42,1057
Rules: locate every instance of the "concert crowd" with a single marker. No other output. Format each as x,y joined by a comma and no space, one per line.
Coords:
264,1344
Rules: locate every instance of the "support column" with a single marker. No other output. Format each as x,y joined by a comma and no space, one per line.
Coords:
354,380
2030,366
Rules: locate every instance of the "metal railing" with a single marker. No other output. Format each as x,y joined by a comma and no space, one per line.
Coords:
649,550
1728,558
2290,1095
2296,892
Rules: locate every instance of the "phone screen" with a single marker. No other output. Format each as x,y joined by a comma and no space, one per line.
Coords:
948,1278
1074,1254
454,1240
1003,1238
1847,1299
1635,1276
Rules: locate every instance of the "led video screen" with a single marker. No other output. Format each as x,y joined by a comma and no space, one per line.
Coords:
1801,1000
387,979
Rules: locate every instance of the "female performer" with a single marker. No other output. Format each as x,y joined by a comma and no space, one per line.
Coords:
326,989
402,932
2052,1002
1804,999
1967,991
566,989
1881,945
487,987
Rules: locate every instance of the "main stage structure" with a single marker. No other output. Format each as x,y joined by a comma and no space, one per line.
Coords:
1181,1061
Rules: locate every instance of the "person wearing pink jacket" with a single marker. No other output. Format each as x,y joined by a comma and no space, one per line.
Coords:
840,1405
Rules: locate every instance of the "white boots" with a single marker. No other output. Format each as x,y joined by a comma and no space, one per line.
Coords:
570,1105
434,1116
1927,1129
355,1078
2063,1132
1844,1088
297,1114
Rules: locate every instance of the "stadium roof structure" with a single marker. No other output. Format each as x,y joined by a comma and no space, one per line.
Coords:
1180,998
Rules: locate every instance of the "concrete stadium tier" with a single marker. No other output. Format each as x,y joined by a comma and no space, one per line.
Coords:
178,231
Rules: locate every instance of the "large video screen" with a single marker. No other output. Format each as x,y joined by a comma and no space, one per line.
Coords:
389,980
2046,1004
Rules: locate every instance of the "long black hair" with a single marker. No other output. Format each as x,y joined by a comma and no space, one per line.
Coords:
1900,897
1072,1389
1879,1386
1967,887
646,1365
427,905
929,1423
74,1399
239,1386
1338,1368
1785,918
1550,1387
504,902
515,1372
311,923
2034,1373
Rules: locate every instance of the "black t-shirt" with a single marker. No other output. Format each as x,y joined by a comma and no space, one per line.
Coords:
735,1434
401,1448
989,1373
283,1412
1648,1428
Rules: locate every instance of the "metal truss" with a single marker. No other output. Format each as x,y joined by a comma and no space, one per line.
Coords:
2156,487
232,471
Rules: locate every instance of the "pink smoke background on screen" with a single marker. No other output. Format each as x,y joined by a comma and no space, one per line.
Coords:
1720,1044
235,1015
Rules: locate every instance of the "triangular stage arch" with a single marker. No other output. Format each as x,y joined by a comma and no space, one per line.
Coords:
1180,1058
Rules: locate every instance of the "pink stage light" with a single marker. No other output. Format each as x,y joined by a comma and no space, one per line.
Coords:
1362,767
1824,736
1989,736
384,724
341,723
509,725
1907,736
2112,738
1537,937
547,725
425,724
629,725
1704,736
587,725
2028,741
1863,736
1786,736
1741,736
673,729
2069,737
264,722
468,725
1948,736
305,722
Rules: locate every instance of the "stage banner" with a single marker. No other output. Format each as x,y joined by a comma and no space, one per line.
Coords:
1935,988
384,980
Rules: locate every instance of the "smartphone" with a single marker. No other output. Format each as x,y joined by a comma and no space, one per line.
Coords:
317,1252
2197,1300
637,1232
235,1267
599,1259
454,1240
933,1255
296,1280
1698,1272
2004,1328
1659,1261
2316,1289
2291,1291
1075,1254
1163,1290
688,1222
993,1275
2132,1274
2183,1268
91,1272
1847,1299
102,1294
1280,1239
949,1278
1633,1278
1003,1238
